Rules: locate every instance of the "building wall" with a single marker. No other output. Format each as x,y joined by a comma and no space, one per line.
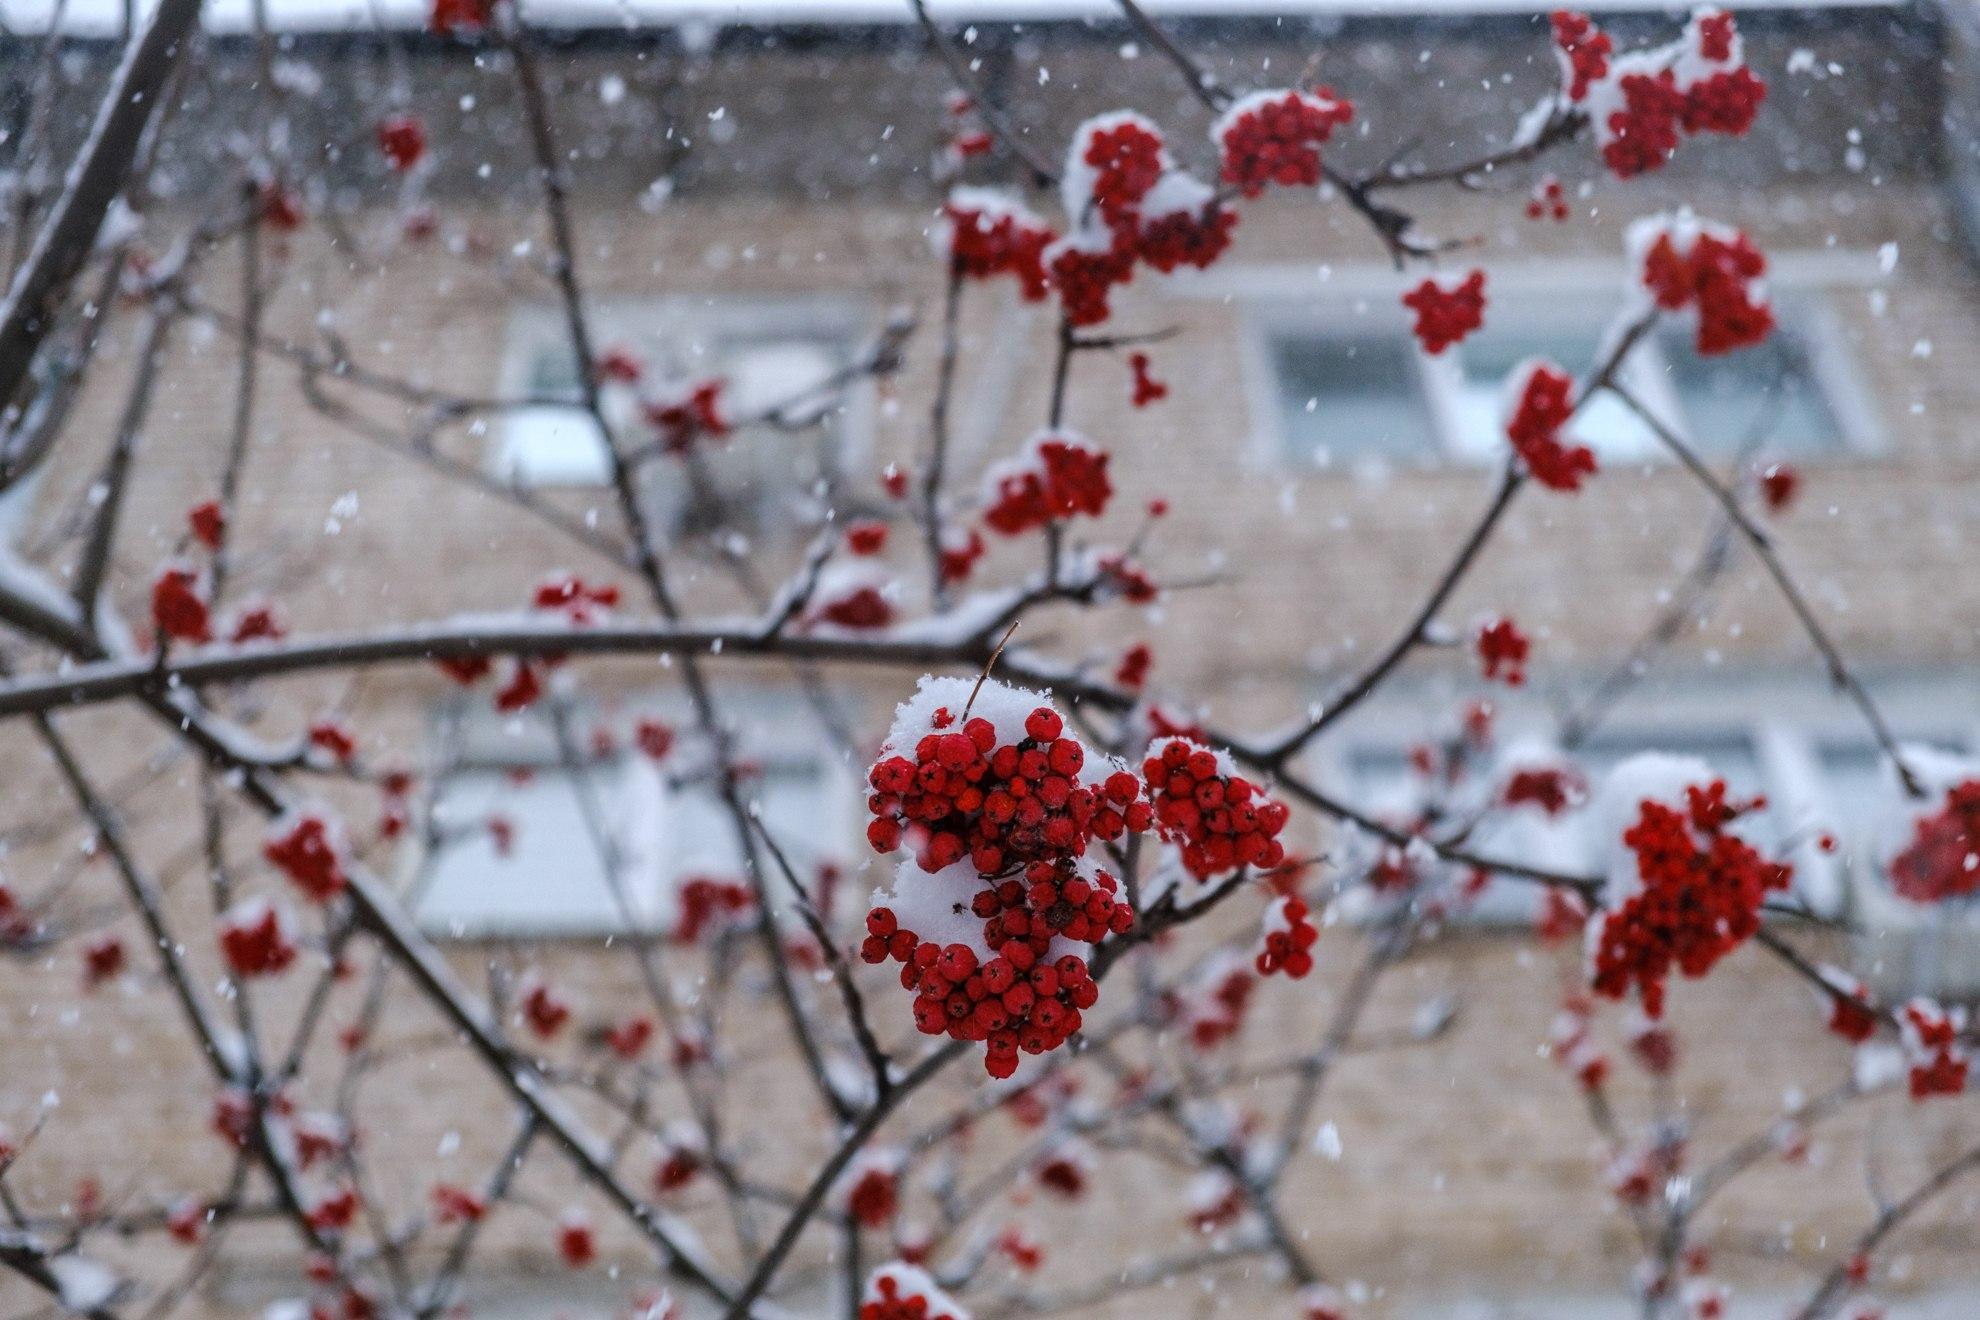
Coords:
1467,1167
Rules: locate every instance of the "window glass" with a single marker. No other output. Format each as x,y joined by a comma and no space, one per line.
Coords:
746,476
1763,399
549,878
1341,400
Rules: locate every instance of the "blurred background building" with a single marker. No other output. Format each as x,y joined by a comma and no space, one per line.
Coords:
756,186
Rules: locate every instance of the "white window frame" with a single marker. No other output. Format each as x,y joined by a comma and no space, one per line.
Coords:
767,719
691,324
1364,302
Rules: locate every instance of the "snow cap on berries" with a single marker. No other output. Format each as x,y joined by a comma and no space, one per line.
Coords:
1647,776
899,1291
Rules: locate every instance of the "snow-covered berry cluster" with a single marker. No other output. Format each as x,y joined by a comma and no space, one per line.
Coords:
1642,102
1502,650
257,938
858,594
1690,891
1548,201
1551,788
899,1291
308,848
1941,860
1541,399
1289,938
1935,1057
1447,311
1711,270
987,233
1847,1000
1057,476
402,140
179,610
998,804
686,415
1275,137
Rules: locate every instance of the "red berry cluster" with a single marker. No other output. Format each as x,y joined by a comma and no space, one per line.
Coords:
307,849
1502,650
1126,202
103,960
902,1292
1938,863
854,594
1549,201
1545,401
1779,484
1851,1014
1191,235
1215,1010
1220,821
709,904
460,15
688,416
1444,316
1147,389
990,234
1275,138
1132,672
1702,86
576,599
1127,158
1020,999
1584,51
179,611
961,548
255,938
866,536
1020,815
1289,938
1936,1057
1122,576
207,522
871,1187
454,1204
257,621
1714,273
543,1008
621,365
1001,806
1699,899
403,140
334,738
1553,789
577,1241
1059,476
1084,271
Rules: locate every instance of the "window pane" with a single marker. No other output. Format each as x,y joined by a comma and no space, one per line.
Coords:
1859,790
1347,399
768,373
552,446
1764,399
551,880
